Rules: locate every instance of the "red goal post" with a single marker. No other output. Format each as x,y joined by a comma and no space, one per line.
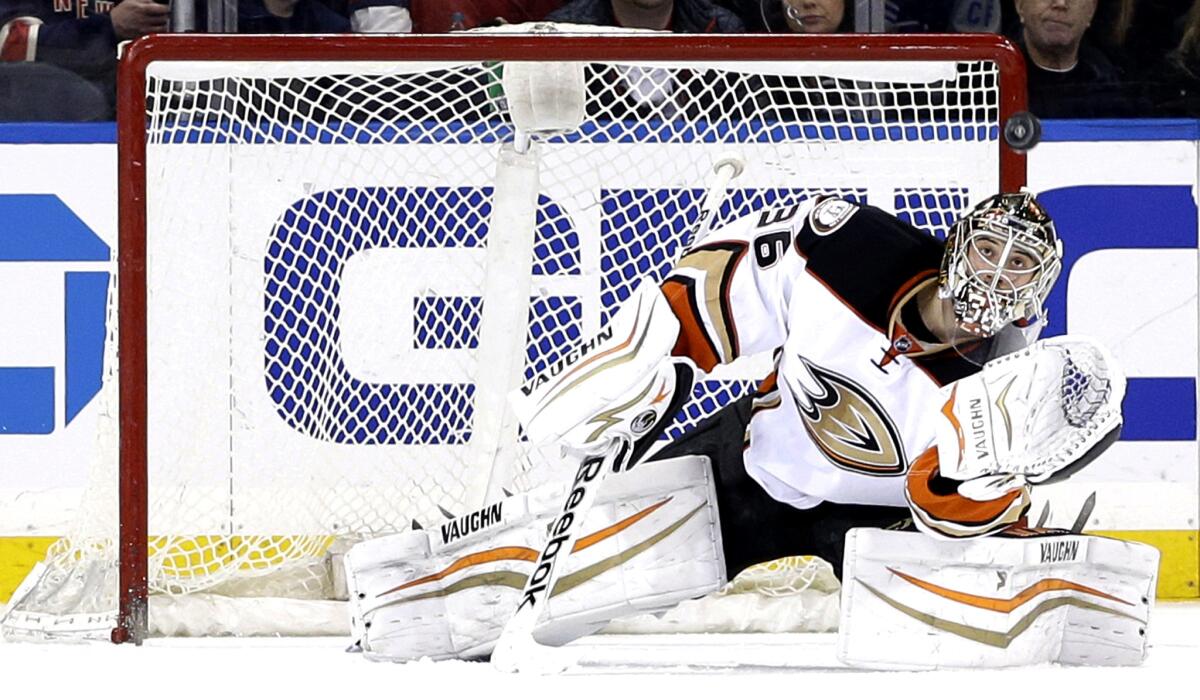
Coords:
135,104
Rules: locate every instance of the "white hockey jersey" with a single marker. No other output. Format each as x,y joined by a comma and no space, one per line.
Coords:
827,287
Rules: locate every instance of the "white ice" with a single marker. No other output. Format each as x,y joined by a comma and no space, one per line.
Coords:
675,667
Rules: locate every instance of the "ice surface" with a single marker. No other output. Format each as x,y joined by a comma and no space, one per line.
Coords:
736,667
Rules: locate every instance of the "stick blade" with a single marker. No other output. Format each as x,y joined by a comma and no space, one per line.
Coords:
1084,513
522,654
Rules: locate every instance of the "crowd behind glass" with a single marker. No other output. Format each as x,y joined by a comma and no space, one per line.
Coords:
1086,58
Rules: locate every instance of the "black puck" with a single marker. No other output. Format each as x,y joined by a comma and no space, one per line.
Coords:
1022,131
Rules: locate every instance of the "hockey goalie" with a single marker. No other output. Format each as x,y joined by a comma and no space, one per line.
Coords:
909,396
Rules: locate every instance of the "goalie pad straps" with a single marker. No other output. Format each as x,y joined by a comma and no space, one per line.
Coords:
912,602
651,540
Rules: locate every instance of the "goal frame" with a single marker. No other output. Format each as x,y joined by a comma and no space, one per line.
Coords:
133,548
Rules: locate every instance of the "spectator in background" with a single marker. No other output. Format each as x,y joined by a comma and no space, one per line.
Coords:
916,16
1068,77
288,17
783,16
817,16
1155,43
1136,34
1174,80
758,16
319,16
77,36
379,16
435,16
683,16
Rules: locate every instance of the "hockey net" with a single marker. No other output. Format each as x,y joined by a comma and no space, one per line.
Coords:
308,230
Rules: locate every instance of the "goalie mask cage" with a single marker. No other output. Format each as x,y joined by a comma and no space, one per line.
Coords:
306,226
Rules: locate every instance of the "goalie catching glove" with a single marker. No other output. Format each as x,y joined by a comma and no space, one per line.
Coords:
1035,416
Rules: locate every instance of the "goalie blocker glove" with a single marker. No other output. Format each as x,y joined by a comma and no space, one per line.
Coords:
622,381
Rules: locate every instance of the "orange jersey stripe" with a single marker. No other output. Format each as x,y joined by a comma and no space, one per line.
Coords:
693,341
768,384
948,412
908,287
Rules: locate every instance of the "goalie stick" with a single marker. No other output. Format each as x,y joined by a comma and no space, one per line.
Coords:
727,167
516,649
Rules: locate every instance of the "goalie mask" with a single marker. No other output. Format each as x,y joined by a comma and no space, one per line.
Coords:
1001,260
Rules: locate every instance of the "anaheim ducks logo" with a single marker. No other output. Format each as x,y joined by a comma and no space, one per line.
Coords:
848,424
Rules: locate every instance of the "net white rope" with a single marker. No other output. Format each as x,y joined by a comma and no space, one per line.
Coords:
316,233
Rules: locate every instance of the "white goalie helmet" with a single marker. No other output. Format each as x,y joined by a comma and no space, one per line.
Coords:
1002,258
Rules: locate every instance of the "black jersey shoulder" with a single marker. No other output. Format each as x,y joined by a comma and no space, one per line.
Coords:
966,359
864,255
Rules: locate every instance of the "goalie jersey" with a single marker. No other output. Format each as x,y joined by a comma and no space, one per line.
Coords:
830,287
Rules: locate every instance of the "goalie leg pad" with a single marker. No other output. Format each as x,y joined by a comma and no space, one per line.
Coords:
913,602
651,541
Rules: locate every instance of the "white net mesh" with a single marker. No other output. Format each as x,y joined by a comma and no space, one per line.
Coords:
316,239
791,594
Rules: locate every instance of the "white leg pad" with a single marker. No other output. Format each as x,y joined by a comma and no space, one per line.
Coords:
651,540
912,602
